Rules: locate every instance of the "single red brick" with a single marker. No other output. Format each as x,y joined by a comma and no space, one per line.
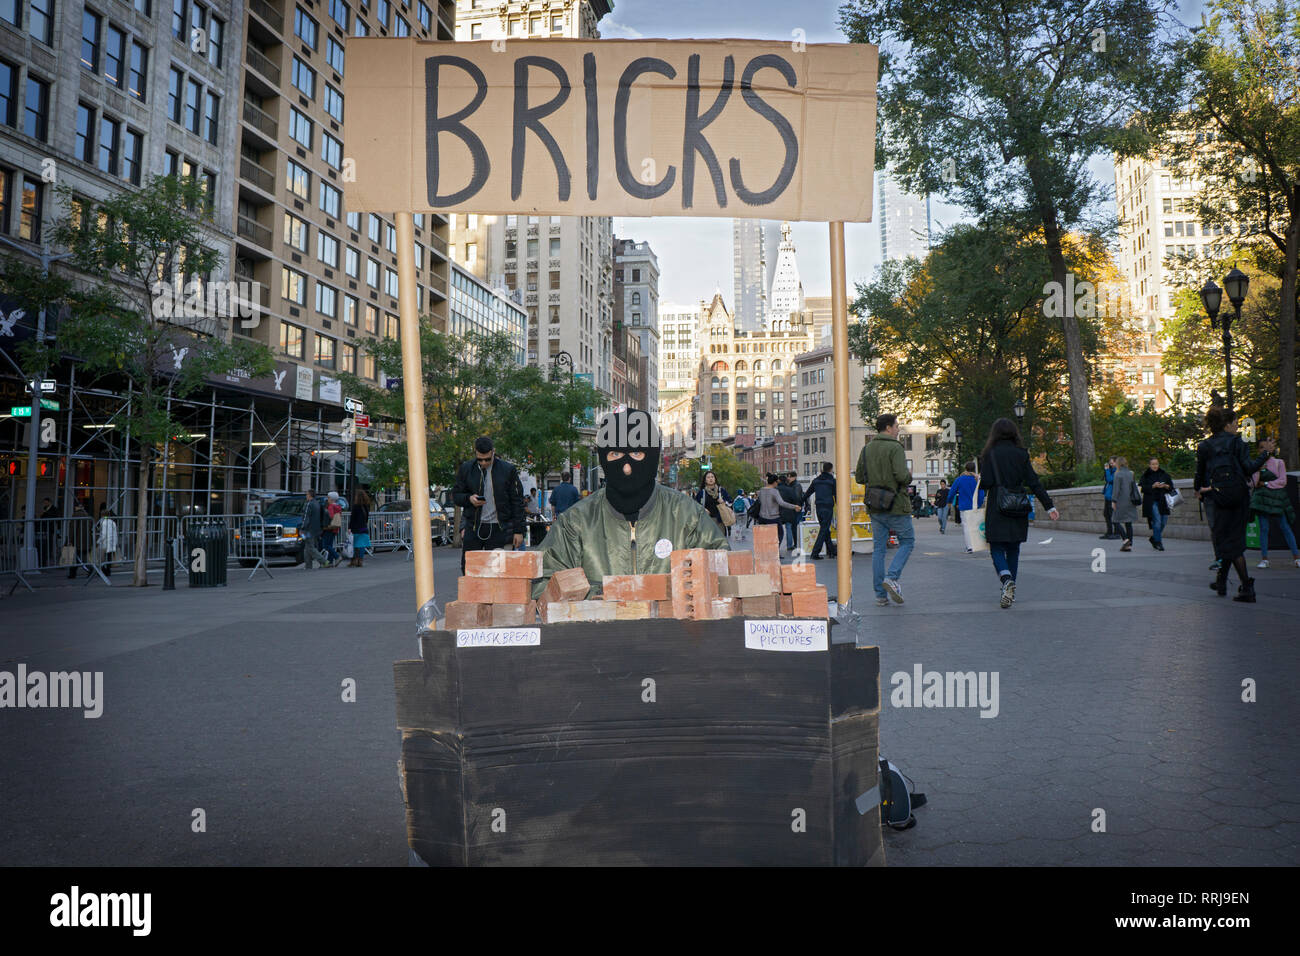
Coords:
787,606
635,587
514,615
720,608
772,568
810,602
503,564
693,586
767,542
495,590
633,610
664,609
744,585
740,562
797,577
570,584
474,590
769,605
463,614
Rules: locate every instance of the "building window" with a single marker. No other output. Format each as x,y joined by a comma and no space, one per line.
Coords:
349,312
334,55
348,359
334,103
340,13
352,262
293,286
327,249
362,30
178,19
41,26
372,273
303,78
423,14
192,91
304,27
391,328
331,150
132,154
373,225
326,301
216,41
354,221
330,200
298,180
390,282
300,128
290,340
372,319
175,80
211,115
390,238
114,56
401,27
295,232
90,41
109,144
37,111
29,222
138,77
368,360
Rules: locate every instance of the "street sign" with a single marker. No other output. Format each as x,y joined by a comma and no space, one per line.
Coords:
25,411
48,386
353,405
361,421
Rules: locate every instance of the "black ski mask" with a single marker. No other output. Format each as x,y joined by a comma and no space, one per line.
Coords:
629,483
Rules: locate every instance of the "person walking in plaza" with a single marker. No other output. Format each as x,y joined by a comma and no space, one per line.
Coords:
105,539
1156,484
941,506
333,528
772,505
359,526
1126,500
740,507
711,495
1271,503
79,539
882,468
564,495
791,492
1108,508
314,520
822,490
492,496
1223,473
964,492
1005,470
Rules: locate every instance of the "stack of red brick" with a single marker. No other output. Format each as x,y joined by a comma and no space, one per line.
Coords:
702,585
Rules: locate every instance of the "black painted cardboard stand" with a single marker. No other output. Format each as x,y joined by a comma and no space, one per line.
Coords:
659,742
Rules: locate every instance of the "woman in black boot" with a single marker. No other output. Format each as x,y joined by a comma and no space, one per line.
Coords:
1223,470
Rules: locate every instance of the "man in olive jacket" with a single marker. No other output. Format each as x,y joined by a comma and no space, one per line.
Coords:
883,465
633,524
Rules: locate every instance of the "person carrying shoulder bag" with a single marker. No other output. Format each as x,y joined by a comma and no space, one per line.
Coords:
1005,473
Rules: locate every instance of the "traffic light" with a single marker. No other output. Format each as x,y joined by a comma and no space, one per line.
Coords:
706,464
42,468
15,468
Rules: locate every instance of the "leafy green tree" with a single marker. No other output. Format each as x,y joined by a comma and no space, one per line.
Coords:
964,334
999,105
1241,137
129,249
1142,433
733,474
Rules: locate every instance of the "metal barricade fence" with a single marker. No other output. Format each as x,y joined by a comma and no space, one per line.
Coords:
81,543
390,531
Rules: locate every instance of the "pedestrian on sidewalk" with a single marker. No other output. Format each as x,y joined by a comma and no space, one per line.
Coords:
772,505
359,526
105,539
882,468
941,506
333,527
822,490
1223,472
1126,501
963,493
564,495
1108,510
310,529
1005,467
1271,503
793,493
1156,483
711,495
491,497
740,506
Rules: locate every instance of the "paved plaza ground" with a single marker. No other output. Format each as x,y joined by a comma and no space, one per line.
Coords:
1118,691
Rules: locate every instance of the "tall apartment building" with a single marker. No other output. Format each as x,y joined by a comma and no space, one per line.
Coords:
816,426
636,315
561,264
679,359
746,379
786,299
752,262
330,274
904,221
1156,208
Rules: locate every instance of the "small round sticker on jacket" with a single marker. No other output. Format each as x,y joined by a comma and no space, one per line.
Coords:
663,548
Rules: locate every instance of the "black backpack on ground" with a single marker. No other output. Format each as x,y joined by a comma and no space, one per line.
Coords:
1228,485
898,798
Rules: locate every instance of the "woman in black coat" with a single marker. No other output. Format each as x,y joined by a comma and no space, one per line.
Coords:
1230,516
1005,463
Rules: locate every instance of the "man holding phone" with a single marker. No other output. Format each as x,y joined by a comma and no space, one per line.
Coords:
491,496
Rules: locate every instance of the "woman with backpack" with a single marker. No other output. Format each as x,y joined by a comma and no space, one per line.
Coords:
1223,470
1005,471
1270,502
1125,501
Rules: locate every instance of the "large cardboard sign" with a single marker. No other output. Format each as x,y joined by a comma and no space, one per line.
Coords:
733,128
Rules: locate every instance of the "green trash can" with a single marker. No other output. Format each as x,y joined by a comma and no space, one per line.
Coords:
206,552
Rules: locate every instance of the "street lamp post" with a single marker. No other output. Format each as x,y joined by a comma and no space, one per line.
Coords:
561,359
961,465
29,559
1236,283
1019,409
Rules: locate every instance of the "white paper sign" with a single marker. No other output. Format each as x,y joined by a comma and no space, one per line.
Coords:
499,637
786,635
